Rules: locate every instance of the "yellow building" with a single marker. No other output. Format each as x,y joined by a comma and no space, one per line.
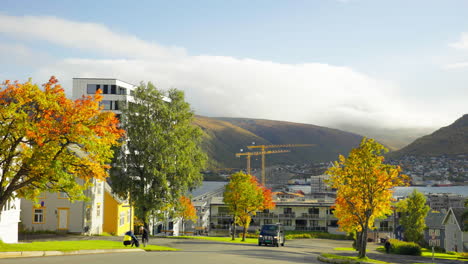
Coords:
117,213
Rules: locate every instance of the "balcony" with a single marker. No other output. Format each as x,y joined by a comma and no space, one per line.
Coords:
309,216
287,216
222,215
266,215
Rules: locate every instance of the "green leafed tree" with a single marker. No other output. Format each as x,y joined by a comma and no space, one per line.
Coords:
244,196
413,211
161,159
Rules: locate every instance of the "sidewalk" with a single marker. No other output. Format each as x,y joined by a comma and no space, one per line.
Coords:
26,254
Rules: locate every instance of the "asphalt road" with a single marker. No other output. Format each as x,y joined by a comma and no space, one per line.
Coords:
204,252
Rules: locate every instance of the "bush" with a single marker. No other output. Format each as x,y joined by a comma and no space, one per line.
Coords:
404,248
296,235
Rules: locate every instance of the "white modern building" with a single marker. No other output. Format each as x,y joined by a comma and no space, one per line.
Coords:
9,219
115,92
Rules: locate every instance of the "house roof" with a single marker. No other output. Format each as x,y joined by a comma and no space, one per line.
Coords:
435,220
457,213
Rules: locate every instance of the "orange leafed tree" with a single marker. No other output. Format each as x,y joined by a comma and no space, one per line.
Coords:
244,196
48,141
187,211
364,189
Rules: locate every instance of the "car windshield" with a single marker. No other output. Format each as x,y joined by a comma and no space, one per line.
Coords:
269,229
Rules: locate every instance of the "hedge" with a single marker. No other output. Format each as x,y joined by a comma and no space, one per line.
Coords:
404,248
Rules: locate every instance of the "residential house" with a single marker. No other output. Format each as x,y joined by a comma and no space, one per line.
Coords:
55,212
294,211
456,239
9,219
118,214
434,234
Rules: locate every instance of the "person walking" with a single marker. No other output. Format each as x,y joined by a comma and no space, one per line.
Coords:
144,235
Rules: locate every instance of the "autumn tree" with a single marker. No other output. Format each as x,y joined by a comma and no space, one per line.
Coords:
413,211
162,158
48,141
244,196
186,211
364,189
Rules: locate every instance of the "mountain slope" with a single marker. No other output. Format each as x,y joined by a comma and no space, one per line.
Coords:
223,137
449,140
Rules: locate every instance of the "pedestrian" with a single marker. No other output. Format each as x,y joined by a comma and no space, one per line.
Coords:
144,235
387,245
134,239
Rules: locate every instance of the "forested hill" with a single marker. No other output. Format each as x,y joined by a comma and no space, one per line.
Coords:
449,140
223,137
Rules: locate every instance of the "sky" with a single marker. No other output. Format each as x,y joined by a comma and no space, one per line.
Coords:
388,64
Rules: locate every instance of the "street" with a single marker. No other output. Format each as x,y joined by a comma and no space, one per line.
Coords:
205,252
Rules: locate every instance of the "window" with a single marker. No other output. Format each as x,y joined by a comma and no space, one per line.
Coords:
314,211
38,217
333,223
122,91
113,89
288,210
122,218
129,216
92,88
268,221
287,222
105,89
384,224
62,195
98,187
313,223
110,105
98,209
223,210
330,211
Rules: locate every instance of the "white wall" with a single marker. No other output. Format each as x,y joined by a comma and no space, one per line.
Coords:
9,218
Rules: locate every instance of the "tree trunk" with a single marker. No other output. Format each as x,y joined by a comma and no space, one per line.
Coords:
357,242
233,229
363,246
243,232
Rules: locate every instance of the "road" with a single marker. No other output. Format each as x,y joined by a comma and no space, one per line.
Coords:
204,252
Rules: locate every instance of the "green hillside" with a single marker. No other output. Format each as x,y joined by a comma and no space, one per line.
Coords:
223,137
449,140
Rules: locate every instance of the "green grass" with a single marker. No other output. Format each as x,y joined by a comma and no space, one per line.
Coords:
222,239
428,253
333,256
74,245
344,249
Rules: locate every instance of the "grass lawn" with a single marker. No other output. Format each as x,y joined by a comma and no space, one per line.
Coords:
74,245
222,239
344,249
428,253
332,256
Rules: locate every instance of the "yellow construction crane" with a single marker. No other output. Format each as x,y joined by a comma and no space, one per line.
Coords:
263,147
249,154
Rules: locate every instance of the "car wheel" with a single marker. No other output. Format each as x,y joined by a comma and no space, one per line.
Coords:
259,243
277,244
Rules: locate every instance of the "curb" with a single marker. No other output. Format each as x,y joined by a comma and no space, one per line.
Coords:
341,261
27,254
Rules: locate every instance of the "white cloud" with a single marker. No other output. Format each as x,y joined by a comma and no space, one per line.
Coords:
314,93
462,43
457,65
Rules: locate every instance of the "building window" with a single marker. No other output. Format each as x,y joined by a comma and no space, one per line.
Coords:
38,217
113,89
122,218
287,210
122,91
99,187
110,105
268,221
92,88
129,216
98,210
223,210
313,223
384,224
314,211
105,89
333,223
287,222
330,211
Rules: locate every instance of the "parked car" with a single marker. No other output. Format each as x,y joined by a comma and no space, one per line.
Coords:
271,235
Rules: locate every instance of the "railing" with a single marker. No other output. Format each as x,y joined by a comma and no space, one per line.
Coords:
291,215
266,215
222,215
309,216
311,228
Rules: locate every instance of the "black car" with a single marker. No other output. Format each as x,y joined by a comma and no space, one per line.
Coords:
271,235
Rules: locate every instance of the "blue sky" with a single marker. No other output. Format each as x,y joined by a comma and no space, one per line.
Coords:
327,62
